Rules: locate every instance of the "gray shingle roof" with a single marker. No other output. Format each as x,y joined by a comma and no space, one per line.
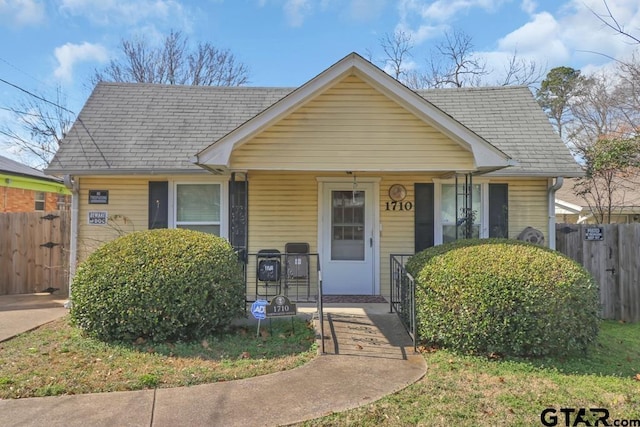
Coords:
16,168
625,192
159,127
509,118
143,127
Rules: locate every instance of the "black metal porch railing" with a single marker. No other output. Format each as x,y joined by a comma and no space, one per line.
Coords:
269,273
295,275
320,308
403,295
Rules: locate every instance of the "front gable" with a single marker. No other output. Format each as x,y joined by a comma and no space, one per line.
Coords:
351,126
356,107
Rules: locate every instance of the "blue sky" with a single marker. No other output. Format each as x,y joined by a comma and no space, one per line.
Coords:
50,43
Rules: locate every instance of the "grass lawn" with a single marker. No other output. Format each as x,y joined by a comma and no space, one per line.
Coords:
475,391
457,390
58,359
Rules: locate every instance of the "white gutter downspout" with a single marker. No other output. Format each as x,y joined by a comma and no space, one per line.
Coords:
72,185
552,211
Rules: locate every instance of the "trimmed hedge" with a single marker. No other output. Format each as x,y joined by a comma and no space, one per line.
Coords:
506,297
161,285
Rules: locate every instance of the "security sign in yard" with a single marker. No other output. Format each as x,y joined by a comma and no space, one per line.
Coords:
258,309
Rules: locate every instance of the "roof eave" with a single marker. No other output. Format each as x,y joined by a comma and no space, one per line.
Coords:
486,155
128,171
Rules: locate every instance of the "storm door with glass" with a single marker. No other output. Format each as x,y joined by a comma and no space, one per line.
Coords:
347,237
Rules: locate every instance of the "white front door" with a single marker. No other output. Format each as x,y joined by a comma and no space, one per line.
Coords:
347,236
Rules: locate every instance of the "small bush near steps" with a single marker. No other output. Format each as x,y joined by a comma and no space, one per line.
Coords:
505,297
160,285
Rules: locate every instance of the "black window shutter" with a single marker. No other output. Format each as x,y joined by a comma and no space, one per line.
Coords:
158,204
424,216
498,210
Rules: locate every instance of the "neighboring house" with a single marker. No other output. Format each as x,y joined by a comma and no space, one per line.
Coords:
25,189
352,162
571,207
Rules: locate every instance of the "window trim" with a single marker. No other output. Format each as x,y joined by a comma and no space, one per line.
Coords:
224,203
437,207
36,201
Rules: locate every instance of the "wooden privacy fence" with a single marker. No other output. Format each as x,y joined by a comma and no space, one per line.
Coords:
34,252
611,253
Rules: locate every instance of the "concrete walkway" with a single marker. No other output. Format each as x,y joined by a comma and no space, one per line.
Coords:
22,313
369,356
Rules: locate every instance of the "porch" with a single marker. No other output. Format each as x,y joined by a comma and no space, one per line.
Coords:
298,276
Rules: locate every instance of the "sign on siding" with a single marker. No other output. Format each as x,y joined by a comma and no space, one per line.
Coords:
98,217
98,197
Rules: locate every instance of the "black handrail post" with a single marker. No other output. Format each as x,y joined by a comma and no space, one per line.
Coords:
403,296
320,307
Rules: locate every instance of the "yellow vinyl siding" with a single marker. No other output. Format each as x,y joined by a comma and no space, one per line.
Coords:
127,210
528,206
283,207
351,126
398,227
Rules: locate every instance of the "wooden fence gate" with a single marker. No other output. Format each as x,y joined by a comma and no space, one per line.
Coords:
611,253
34,252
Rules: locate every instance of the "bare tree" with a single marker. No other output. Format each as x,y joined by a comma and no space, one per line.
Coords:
604,135
521,71
596,113
628,91
455,64
417,80
611,173
612,22
38,128
397,48
174,63
452,63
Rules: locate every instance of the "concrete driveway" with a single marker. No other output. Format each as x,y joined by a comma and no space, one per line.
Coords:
21,313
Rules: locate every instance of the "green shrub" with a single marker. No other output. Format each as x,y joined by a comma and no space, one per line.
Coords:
161,285
504,296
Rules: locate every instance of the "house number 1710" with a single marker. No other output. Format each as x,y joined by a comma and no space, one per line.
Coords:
399,206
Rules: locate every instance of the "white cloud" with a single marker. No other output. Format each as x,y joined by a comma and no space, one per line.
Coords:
529,6
443,10
21,12
296,11
105,12
422,32
574,36
541,35
70,54
424,19
365,10
555,34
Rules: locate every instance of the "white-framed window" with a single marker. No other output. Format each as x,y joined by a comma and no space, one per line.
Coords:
454,223
40,200
199,204
447,222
